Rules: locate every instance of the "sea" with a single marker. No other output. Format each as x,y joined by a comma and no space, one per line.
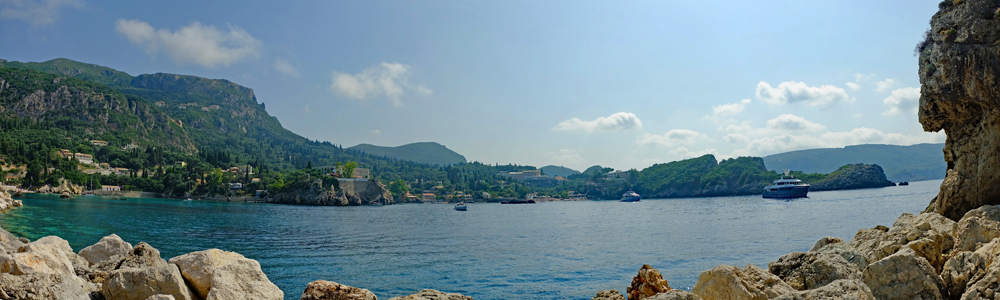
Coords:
550,250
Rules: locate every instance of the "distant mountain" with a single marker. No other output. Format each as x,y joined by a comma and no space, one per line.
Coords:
559,171
426,152
901,163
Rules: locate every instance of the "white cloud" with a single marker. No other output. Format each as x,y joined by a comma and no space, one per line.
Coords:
285,67
902,101
615,122
37,12
389,80
567,156
672,138
196,43
790,122
730,109
376,132
886,85
795,92
853,86
736,138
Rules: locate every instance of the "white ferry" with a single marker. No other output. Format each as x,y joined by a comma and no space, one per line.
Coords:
786,188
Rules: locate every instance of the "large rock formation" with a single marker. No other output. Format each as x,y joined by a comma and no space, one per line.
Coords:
960,77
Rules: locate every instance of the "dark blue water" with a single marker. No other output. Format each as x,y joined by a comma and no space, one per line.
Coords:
556,250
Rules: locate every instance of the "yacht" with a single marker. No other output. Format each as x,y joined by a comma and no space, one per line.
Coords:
461,206
786,188
630,196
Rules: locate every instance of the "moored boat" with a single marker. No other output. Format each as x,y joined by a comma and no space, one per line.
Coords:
630,196
786,188
461,206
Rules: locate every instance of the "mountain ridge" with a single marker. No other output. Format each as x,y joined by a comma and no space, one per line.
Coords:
431,153
901,163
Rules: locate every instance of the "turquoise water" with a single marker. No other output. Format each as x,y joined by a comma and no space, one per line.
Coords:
556,250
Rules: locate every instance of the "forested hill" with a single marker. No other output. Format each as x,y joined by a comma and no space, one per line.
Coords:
901,163
558,171
426,152
192,115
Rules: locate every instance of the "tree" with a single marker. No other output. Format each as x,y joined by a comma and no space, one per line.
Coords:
398,187
349,169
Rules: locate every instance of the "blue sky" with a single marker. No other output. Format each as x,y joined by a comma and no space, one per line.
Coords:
623,84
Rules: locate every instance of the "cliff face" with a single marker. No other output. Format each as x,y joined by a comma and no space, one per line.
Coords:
856,176
960,77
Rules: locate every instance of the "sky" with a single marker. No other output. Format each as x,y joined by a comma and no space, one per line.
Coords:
621,84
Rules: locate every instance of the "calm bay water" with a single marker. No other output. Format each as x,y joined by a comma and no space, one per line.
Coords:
557,250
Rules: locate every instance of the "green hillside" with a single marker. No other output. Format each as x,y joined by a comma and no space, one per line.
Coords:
426,153
901,163
558,171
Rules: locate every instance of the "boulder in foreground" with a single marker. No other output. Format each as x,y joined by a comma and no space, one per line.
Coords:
216,275
329,290
429,294
729,282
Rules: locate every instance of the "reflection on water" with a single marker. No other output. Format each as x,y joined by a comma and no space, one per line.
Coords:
555,250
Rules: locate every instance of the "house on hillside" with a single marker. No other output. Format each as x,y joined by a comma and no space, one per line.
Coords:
66,153
98,143
111,188
161,104
427,196
84,158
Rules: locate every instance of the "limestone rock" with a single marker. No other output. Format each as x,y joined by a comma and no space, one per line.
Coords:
37,258
143,255
161,297
810,270
904,275
847,252
6,202
106,248
959,269
139,284
216,274
984,285
675,295
647,283
958,95
909,231
608,295
980,225
329,290
428,294
843,289
826,241
729,282
44,287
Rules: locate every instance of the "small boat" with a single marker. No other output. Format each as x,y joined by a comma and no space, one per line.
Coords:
188,199
89,194
630,196
904,183
518,201
786,188
461,206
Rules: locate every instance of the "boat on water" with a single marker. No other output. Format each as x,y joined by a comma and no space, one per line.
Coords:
89,194
188,199
461,206
786,188
630,196
518,201
904,183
